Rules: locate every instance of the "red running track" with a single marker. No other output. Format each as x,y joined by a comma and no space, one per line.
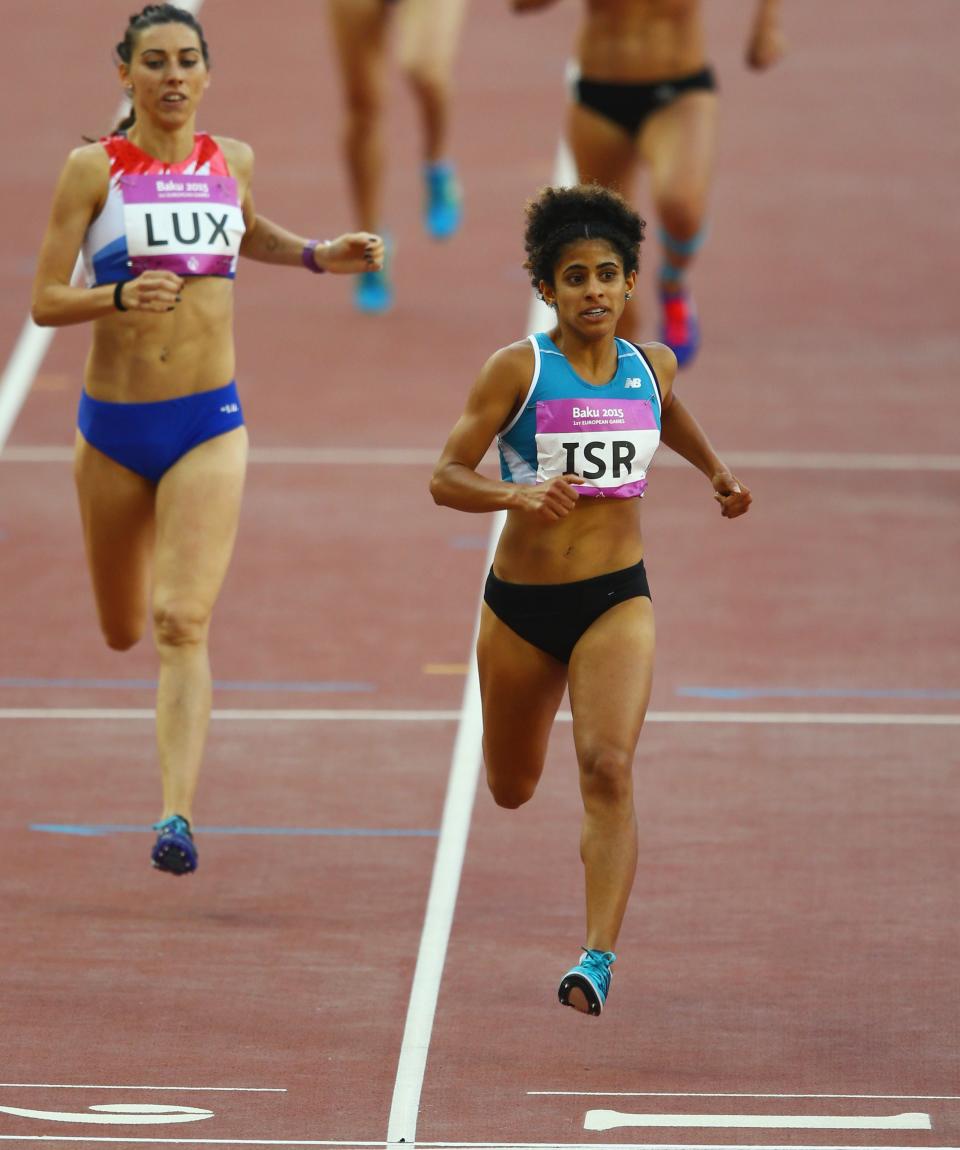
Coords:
789,955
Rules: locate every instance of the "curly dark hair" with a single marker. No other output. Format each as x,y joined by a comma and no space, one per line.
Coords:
559,216
150,17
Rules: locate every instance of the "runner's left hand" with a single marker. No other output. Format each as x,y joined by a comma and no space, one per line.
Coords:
734,498
766,45
352,252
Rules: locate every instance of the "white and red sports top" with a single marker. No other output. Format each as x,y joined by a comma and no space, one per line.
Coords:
184,217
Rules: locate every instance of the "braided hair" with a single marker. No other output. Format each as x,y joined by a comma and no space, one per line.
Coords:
561,216
150,17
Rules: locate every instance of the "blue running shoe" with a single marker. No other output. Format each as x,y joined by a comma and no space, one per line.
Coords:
680,329
443,209
586,985
174,851
373,292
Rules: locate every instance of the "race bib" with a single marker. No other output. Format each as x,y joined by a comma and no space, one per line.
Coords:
188,224
609,444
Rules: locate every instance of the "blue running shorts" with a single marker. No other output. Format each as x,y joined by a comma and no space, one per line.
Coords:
149,438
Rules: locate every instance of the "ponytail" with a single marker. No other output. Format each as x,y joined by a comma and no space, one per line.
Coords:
124,125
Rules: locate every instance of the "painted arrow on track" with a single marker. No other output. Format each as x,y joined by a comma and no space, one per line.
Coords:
116,1114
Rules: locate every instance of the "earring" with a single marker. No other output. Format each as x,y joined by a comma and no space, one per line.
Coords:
628,295
129,90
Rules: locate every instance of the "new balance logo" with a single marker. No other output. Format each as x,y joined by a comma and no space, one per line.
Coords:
633,383
229,408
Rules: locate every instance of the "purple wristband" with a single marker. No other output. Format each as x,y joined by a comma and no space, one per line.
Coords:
306,256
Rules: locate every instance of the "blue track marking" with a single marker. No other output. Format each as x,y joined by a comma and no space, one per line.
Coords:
321,687
92,830
740,693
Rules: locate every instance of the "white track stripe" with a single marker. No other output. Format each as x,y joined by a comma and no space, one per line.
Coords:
423,457
21,370
731,1094
358,1144
444,887
615,1120
455,828
188,1089
768,718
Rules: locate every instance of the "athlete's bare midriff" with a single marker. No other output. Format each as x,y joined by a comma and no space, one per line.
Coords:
598,536
641,41
144,357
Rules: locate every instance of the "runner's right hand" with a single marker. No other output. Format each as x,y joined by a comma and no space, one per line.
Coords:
152,291
553,500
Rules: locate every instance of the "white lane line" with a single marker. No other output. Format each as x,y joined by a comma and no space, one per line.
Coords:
810,718
442,901
454,830
423,457
766,718
730,1094
21,370
614,1120
265,716
189,1089
838,461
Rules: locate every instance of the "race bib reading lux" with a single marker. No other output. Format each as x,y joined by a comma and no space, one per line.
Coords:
609,444
188,224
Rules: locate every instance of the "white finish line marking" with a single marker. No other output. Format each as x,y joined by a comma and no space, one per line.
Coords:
615,1120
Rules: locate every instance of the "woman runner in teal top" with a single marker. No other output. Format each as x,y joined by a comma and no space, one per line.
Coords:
578,414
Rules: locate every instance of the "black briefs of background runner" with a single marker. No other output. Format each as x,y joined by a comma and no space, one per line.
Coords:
553,616
629,105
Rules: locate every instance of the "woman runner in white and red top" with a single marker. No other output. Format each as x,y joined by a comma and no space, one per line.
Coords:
161,214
